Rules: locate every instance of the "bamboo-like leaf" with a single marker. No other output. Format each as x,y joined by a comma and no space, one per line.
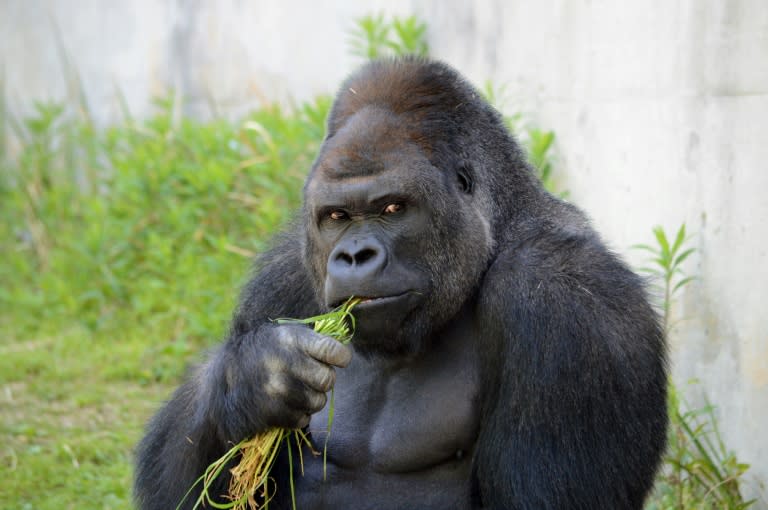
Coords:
662,262
699,447
679,238
682,282
680,258
661,238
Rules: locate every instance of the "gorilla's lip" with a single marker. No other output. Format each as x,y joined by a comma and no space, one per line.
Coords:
371,301
367,301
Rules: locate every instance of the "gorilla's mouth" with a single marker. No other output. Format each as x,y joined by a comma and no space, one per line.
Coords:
371,301
367,302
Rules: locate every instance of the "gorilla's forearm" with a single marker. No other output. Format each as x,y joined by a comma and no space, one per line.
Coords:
202,420
226,399
180,443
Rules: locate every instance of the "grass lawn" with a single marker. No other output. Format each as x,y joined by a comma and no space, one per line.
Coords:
70,415
123,250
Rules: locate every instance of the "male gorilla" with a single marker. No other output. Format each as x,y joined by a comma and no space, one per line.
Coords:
503,356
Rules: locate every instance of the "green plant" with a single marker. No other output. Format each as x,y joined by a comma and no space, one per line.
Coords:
121,247
539,144
376,36
666,265
699,472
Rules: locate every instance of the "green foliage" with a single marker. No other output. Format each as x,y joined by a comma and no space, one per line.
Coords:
699,472
666,261
377,36
121,252
97,232
539,145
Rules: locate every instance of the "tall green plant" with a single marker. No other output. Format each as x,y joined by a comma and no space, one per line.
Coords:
699,471
667,258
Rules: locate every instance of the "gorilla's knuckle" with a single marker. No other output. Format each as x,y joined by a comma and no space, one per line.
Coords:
326,348
273,365
276,385
286,336
332,352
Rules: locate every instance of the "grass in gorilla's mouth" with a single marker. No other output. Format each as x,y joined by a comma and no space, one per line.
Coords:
258,454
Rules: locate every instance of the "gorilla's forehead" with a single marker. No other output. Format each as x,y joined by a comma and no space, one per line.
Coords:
375,154
370,142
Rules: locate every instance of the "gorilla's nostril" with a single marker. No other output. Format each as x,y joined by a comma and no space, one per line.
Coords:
365,255
346,258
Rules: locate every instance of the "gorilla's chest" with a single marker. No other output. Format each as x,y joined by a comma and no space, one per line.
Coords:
405,418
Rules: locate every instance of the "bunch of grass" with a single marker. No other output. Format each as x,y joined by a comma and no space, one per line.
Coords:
249,486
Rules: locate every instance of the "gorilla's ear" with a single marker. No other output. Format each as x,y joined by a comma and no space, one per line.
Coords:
465,178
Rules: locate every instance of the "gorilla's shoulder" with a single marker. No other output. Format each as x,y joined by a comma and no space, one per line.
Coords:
558,247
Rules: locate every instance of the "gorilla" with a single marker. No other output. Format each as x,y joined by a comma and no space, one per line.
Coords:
503,357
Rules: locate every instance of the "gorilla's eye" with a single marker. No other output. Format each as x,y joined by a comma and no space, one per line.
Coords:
464,175
393,208
337,215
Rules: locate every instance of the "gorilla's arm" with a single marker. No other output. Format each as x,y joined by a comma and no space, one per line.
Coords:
577,366
224,400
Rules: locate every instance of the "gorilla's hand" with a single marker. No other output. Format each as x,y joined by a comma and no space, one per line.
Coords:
275,377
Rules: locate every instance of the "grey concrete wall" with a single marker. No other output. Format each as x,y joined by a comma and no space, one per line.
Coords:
224,57
659,108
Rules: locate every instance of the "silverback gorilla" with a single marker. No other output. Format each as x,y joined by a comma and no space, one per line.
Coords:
503,356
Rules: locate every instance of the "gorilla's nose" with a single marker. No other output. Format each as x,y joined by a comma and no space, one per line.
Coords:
357,260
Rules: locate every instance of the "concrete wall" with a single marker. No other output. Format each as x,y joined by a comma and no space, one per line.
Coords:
660,110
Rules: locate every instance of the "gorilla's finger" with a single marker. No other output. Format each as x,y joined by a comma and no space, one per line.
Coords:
318,376
297,418
303,421
316,401
304,399
326,349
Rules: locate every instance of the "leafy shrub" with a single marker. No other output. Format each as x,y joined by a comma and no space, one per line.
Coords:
699,472
145,223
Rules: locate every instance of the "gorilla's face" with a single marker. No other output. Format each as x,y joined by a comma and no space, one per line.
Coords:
385,225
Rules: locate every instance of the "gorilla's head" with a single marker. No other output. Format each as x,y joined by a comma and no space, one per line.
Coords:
403,203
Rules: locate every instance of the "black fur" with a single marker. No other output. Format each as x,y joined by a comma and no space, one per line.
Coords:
521,352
